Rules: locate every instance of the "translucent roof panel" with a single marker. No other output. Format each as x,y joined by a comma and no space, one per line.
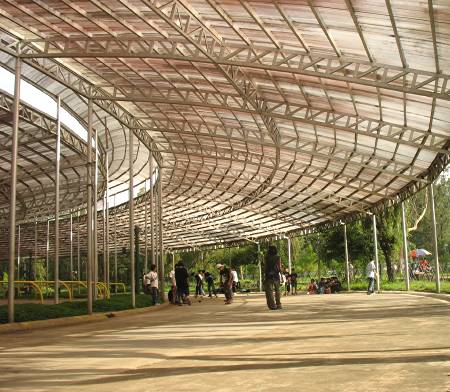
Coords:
267,117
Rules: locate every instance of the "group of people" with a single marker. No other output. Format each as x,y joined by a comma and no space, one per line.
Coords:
179,278
325,286
289,279
203,276
229,282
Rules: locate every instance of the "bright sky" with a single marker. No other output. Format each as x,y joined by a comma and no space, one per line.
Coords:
41,101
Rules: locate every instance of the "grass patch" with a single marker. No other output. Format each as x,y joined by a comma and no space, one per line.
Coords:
31,312
399,285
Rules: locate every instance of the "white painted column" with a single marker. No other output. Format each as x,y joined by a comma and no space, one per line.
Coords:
145,229
18,254
260,268
375,250
289,255
47,250
435,243
78,248
131,217
35,250
90,223
405,246
95,246
152,213
106,251
161,237
13,193
57,177
115,245
71,246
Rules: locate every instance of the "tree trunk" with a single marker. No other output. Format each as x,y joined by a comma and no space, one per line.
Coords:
389,267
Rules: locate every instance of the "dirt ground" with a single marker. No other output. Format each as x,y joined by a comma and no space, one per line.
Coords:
343,342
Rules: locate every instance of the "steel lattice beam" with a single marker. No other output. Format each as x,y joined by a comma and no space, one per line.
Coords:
410,81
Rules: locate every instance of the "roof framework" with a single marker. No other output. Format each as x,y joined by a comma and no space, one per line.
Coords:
269,117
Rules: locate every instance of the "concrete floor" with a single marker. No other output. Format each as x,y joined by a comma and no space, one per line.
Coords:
355,342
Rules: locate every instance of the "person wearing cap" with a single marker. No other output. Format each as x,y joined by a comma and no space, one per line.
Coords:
227,281
272,273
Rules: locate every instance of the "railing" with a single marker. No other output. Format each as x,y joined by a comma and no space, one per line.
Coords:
41,286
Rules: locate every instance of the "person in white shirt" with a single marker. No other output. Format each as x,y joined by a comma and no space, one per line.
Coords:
235,280
174,287
370,272
152,279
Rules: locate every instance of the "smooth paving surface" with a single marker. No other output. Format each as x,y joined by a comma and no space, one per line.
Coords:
388,342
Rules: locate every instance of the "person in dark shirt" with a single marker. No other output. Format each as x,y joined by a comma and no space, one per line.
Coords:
227,282
272,270
322,286
294,282
182,280
210,282
287,282
335,285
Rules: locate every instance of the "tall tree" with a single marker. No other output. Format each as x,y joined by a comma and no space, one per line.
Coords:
389,236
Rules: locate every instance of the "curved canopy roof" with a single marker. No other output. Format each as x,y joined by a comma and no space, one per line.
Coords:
268,117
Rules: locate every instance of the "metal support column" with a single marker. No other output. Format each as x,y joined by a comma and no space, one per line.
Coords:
259,267
347,264
156,229
18,254
161,237
104,236
375,250
152,215
78,248
289,255
71,246
106,251
47,251
145,229
131,215
95,247
89,225
57,176
115,245
405,246
12,199
35,250
435,243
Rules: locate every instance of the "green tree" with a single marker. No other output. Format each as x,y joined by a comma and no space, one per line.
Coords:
390,236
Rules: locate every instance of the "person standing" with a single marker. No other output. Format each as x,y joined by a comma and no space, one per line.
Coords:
287,282
370,272
199,284
294,277
173,298
272,272
152,281
210,281
146,281
235,280
227,282
182,282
